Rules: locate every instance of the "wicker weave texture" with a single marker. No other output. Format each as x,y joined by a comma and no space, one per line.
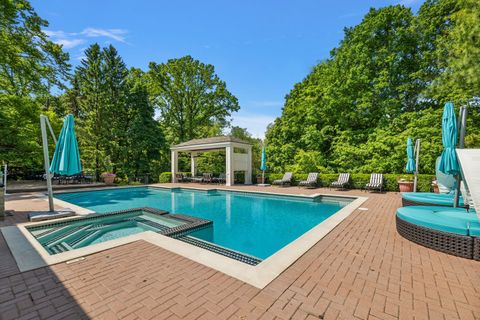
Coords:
407,203
450,243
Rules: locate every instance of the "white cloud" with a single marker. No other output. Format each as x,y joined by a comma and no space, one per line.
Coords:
115,34
255,123
58,33
69,43
71,40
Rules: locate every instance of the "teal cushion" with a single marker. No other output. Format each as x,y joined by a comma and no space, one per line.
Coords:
441,199
454,220
475,229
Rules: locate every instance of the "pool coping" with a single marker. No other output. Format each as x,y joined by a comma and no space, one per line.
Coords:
29,254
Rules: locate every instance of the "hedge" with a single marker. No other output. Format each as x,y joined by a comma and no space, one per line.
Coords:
359,180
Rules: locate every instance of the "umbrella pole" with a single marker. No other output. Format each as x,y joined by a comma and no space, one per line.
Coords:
417,151
43,121
461,144
5,173
263,176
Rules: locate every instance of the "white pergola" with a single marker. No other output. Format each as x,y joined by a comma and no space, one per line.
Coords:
234,161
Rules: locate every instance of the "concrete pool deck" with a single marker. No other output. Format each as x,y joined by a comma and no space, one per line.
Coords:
362,269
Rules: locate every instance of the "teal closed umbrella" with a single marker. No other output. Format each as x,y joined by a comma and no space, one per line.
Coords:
448,161
263,165
66,159
410,157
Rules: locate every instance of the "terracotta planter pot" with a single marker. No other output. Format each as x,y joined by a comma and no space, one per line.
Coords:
108,180
405,186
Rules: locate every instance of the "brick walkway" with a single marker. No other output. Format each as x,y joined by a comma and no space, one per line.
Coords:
361,270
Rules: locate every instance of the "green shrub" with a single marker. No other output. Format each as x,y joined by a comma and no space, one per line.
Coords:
165,177
327,178
424,183
239,177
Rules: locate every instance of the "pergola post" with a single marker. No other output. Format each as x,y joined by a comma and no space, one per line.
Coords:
248,172
174,165
193,162
229,174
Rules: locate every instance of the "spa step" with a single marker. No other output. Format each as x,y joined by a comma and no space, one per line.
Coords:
151,224
51,231
65,234
83,237
59,248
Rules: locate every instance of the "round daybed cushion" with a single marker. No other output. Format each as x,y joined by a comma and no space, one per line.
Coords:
441,199
453,220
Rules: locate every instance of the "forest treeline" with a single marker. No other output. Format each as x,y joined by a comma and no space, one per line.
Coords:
388,80
126,118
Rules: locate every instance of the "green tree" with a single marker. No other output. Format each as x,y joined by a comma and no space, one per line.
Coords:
145,144
460,49
193,101
117,129
30,65
115,106
387,81
29,62
94,118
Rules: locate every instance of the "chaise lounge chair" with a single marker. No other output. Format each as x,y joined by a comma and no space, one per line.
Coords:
376,182
180,177
342,182
197,179
207,178
311,181
286,180
221,178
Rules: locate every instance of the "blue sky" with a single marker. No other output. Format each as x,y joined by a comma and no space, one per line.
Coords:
260,48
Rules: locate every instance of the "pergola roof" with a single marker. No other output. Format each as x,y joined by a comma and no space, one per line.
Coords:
213,142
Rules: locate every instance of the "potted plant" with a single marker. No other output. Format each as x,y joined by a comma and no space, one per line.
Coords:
405,184
108,176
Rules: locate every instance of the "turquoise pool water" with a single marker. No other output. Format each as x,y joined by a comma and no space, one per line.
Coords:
254,224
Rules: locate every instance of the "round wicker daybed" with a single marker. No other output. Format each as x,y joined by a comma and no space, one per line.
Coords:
429,199
451,230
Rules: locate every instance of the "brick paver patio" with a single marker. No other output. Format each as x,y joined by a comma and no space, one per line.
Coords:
361,270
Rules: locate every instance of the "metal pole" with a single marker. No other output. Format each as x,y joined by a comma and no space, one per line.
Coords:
51,131
5,171
463,126
462,121
43,121
417,159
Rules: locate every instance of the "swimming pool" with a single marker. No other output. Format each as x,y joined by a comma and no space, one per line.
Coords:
251,223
